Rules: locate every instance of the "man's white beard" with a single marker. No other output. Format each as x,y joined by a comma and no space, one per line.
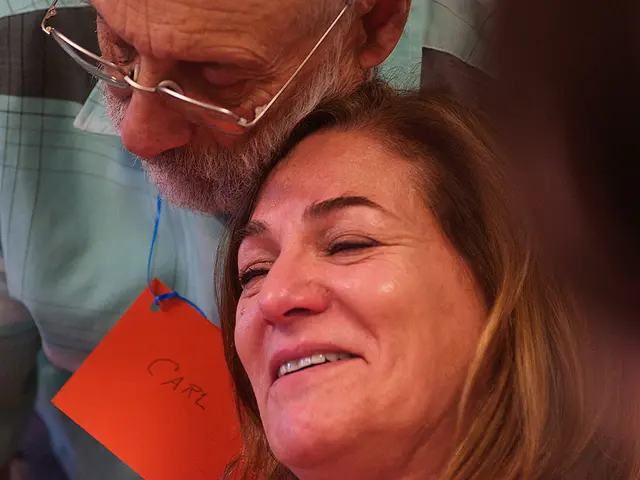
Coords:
214,179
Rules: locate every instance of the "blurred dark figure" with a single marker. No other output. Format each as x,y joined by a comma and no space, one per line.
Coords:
568,94
569,90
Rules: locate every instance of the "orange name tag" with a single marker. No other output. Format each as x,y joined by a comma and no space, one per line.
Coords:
157,393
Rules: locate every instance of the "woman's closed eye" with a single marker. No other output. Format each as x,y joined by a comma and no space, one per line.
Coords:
351,246
251,274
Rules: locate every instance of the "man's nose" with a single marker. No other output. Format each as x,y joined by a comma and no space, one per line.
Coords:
292,289
150,127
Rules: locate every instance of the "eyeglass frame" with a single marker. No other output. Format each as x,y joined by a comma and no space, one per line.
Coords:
168,87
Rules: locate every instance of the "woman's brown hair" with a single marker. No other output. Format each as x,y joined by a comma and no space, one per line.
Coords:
523,387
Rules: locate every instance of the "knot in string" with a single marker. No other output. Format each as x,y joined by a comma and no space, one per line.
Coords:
173,294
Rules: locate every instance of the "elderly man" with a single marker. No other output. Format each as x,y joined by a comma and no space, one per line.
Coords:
201,91
204,91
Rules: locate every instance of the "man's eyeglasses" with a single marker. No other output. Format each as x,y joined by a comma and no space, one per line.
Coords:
221,118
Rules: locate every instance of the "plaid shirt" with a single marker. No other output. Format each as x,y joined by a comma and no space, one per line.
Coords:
76,216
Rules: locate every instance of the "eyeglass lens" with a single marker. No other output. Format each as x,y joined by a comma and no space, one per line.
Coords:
100,70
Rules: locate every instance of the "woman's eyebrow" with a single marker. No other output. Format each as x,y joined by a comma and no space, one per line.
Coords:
316,210
252,229
326,207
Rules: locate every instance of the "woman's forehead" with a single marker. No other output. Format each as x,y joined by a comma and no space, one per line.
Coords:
335,157
333,164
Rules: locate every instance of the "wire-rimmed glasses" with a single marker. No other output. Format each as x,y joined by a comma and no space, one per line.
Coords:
221,118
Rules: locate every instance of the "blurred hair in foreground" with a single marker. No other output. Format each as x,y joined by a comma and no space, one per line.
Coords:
569,92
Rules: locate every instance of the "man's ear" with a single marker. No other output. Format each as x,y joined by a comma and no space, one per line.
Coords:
383,22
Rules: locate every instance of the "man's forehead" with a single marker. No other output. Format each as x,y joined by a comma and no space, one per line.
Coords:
202,30
194,13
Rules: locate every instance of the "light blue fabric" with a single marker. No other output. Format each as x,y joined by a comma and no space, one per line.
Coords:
402,68
76,217
458,27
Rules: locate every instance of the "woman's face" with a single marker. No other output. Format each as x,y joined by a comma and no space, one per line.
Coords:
342,257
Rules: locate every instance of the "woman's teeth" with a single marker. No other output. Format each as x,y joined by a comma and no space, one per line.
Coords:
304,362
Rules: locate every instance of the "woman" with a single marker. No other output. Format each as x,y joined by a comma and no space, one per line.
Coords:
382,315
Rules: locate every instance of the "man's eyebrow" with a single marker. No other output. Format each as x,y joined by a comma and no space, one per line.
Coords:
326,207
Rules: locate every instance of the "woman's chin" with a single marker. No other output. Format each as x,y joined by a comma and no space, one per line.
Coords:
305,446
307,421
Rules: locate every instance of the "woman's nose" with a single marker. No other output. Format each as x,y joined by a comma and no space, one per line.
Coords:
292,289
150,127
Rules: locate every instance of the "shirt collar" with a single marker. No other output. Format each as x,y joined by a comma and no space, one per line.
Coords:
93,115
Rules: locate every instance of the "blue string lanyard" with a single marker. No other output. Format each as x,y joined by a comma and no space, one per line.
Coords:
173,294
